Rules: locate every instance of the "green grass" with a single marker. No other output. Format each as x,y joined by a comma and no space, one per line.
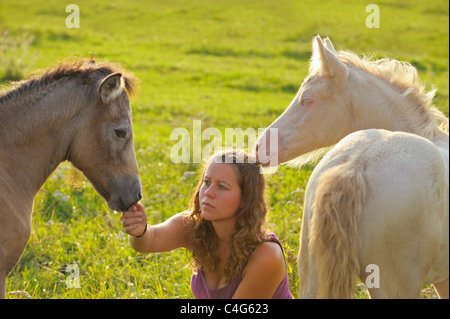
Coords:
228,63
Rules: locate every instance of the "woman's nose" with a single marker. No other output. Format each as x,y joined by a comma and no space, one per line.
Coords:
210,191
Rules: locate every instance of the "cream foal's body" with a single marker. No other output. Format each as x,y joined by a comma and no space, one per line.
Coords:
402,221
380,196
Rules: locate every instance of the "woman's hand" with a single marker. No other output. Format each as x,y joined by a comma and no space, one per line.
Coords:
134,221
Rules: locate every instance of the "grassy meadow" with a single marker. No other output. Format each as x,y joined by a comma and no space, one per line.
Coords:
228,63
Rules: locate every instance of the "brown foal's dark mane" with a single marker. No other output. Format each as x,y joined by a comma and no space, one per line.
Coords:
84,69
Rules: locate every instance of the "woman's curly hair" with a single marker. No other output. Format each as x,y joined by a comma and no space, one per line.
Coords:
250,223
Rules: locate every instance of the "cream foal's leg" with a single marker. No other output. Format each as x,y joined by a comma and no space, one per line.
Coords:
442,289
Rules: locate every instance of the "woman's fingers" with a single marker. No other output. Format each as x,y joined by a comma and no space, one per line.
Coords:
131,221
131,227
128,214
138,207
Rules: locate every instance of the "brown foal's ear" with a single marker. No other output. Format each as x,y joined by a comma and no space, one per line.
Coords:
111,87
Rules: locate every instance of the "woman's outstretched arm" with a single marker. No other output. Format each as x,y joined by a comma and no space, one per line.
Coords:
166,236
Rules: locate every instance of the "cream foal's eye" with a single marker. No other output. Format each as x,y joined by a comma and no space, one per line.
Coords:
306,102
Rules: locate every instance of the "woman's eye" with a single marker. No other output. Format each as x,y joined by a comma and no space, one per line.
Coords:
222,187
120,133
206,182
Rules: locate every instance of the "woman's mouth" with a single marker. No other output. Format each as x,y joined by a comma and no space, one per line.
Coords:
207,205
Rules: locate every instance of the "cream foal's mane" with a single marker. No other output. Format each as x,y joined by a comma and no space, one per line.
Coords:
400,74
404,77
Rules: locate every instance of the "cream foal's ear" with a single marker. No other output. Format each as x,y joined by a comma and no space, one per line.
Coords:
327,62
329,45
111,87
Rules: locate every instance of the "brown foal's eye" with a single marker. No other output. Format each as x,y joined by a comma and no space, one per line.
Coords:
120,133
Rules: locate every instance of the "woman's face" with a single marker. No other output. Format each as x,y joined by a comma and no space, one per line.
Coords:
220,194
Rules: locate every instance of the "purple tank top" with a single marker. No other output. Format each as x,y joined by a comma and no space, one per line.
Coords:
201,291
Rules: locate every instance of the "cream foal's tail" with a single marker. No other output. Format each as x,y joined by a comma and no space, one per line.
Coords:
334,234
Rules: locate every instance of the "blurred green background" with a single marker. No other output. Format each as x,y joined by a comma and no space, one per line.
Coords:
227,63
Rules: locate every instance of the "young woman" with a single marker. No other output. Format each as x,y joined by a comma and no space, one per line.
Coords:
233,255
